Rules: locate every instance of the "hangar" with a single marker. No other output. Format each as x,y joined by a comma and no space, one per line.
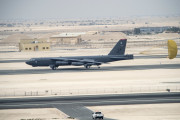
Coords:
66,38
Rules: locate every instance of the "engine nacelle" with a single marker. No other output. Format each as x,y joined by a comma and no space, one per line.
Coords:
77,63
89,64
61,63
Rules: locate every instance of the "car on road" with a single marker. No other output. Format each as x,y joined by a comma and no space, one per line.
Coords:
96,115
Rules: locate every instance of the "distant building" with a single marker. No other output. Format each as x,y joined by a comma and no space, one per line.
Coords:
147,30
34,45
66,38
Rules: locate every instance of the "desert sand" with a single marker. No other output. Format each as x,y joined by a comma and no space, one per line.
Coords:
140,112
33,114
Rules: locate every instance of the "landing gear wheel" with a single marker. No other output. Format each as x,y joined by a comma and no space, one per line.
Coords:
87,66
53,67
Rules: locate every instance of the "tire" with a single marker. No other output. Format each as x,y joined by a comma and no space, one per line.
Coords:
53,67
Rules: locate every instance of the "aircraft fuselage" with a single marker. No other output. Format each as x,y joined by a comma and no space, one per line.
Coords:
47,61
116,54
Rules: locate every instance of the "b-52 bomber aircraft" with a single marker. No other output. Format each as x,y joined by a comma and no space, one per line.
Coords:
116,54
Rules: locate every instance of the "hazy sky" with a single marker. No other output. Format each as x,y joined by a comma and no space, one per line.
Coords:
40,9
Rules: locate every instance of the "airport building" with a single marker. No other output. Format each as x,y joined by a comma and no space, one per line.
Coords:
66,38
146,30
34,45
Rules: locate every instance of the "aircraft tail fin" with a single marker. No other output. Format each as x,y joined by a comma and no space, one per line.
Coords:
119,48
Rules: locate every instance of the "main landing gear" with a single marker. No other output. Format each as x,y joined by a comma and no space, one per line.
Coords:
87,66
53,67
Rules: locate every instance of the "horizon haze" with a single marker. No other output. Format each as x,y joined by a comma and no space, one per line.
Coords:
69,9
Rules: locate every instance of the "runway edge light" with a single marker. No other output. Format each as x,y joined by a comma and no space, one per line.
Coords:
172,49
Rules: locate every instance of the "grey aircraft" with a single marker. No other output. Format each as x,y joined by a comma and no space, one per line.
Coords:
116,54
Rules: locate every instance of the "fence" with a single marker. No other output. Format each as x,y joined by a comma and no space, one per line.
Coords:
130,44
89,91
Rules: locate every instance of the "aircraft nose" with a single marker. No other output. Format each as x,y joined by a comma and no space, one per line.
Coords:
28,62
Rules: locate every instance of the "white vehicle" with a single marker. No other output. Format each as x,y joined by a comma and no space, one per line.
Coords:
96,115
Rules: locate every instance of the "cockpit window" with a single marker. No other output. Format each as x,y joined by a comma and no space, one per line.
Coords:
32,59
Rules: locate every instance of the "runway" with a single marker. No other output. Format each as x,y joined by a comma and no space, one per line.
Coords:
93,69
91,100
74,106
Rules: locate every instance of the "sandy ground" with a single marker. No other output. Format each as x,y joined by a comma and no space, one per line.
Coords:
141,112
33,114
123,24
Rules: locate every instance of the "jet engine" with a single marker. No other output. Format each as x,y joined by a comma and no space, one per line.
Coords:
61,63
89,64
77,63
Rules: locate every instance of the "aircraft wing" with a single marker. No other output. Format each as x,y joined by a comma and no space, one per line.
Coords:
89,61
130,56
77,60
117,58
65,59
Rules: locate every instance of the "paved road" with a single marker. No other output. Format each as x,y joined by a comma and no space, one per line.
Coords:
74,105
77,111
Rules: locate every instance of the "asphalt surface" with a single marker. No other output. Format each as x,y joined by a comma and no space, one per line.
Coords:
77,111
74,105
46,70
12,61
152,56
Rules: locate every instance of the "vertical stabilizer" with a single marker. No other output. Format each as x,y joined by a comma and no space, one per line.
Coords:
119,48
